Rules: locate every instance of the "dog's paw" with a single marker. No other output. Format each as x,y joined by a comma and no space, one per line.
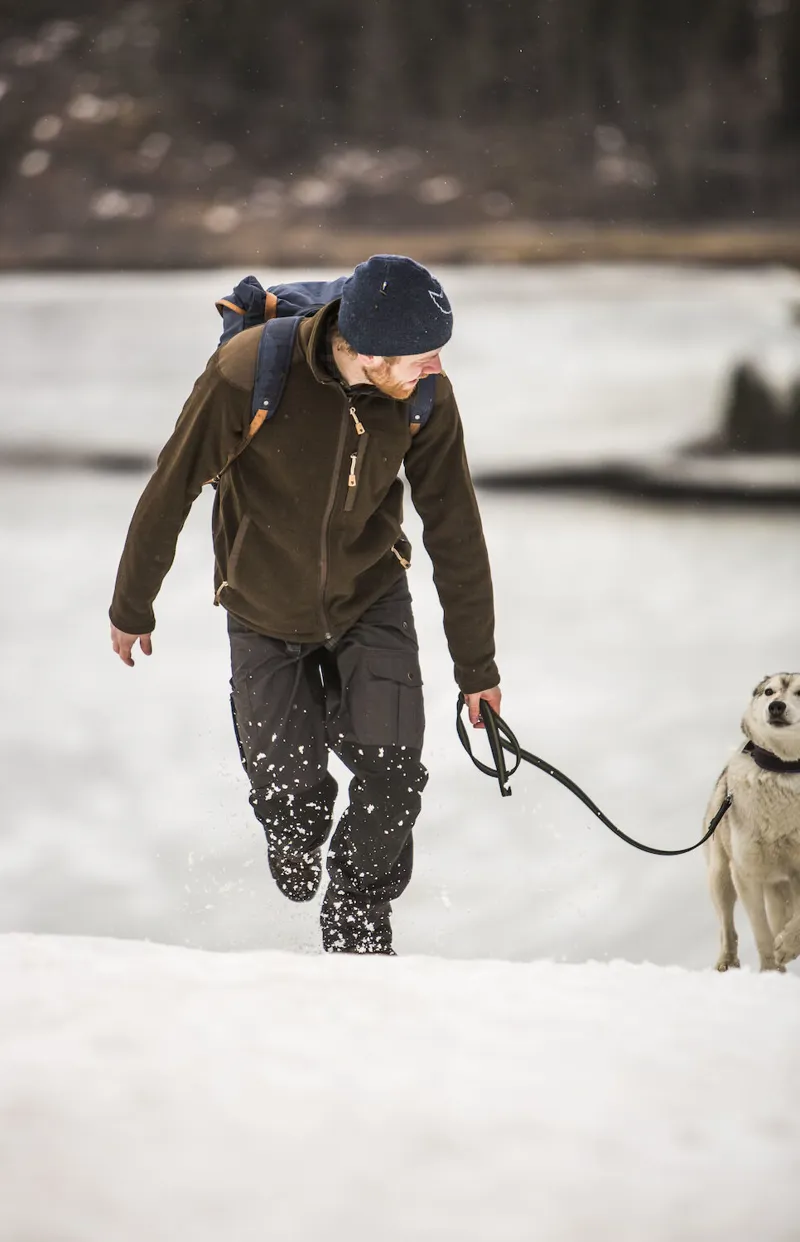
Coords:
771,963
728,963
786,949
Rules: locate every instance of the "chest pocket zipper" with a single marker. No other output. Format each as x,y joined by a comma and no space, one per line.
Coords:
356,461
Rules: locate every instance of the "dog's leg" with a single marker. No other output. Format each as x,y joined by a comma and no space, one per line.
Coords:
723,895
787,944
778,900
752,895
787,941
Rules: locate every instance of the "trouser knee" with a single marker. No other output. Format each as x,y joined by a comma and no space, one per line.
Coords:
295,816
386,790
371,854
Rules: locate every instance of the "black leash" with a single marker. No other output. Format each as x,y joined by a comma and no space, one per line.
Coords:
501,738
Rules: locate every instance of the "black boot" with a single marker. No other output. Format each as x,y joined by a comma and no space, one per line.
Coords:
351,925
296,829
297,875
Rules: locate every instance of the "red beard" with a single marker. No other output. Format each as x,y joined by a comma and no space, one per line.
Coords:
381,377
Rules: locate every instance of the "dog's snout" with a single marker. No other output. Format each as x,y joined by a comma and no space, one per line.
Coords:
777,707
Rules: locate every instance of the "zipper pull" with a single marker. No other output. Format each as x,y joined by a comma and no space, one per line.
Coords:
359,426
351,478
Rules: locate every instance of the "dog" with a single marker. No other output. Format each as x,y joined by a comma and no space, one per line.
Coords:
755,852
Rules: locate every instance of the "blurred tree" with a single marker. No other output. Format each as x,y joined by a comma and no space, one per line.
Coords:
491,61
623,108
18,18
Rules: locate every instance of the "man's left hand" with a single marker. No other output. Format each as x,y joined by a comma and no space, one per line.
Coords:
473,702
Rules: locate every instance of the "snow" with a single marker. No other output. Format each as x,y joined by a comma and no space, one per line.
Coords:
158,1092
551,1056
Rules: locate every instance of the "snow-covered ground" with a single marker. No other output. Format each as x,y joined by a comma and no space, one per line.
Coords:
150,1092
629,637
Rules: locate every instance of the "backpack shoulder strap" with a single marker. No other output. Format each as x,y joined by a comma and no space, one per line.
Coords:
273,361
421,404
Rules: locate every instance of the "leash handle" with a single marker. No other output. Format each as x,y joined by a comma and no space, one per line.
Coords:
493,725
490,720
500,738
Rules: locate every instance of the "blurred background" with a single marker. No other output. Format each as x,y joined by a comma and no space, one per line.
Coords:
189,132
609,192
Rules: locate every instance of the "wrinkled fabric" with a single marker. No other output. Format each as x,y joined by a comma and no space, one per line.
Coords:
361,698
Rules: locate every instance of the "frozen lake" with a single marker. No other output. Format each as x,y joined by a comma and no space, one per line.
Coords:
553,363
629,636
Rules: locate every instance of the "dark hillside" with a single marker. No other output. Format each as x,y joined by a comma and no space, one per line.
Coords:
181,131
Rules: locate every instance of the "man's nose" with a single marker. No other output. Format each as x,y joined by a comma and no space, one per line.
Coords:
433,366
777,707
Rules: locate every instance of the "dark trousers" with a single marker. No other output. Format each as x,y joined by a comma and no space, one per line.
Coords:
361,698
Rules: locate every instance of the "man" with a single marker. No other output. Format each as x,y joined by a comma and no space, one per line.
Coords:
311,568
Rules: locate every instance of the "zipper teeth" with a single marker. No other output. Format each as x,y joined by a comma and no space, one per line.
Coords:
326,521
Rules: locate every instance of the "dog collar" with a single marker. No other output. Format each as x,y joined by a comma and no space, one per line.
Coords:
771,763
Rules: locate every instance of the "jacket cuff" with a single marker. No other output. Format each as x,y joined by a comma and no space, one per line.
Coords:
132,625
471,680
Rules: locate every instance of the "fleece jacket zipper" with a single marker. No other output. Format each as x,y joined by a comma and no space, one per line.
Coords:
326,527
356,461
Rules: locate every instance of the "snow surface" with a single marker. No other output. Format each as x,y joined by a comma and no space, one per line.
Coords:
620,1090
159,1093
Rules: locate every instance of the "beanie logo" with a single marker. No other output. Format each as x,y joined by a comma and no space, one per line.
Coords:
434,296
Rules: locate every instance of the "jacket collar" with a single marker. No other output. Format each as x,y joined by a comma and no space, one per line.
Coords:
314,341
314,333
770,762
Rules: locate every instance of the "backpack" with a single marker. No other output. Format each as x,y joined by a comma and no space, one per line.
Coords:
279,309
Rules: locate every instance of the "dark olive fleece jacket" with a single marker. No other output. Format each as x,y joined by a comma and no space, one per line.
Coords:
307,520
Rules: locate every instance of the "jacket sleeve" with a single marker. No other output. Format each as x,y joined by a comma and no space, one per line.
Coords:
210,427
443,495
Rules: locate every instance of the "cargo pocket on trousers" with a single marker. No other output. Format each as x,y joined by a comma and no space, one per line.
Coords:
384,700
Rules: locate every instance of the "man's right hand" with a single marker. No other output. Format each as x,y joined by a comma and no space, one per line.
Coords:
124,643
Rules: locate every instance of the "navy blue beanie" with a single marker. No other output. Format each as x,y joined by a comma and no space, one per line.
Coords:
393,305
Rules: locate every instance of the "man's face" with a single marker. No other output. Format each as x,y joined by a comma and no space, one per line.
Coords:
399,377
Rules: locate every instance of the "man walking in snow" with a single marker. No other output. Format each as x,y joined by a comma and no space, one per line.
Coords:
311,568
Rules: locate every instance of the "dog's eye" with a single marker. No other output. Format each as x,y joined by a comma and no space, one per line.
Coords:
768,692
